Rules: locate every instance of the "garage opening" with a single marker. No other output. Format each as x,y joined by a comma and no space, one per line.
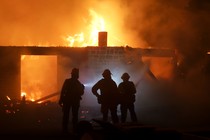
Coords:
38,77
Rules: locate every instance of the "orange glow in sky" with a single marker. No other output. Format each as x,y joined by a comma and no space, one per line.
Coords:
63,23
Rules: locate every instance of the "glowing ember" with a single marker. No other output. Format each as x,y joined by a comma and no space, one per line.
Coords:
8,98
23,94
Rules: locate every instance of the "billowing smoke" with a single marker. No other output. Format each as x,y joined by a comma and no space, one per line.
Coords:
180,25
40,22
184,26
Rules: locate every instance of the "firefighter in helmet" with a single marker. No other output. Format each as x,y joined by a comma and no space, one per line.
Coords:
70,97
127,91
107,96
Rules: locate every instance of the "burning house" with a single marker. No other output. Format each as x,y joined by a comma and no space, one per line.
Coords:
21,67
151,40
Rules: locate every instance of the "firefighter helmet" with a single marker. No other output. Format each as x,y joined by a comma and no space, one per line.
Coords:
106,73
125,76
75,71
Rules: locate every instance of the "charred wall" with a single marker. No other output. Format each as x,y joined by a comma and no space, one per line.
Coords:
9,72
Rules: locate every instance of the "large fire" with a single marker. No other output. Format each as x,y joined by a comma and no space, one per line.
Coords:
90,36
38,76
34,73
32,80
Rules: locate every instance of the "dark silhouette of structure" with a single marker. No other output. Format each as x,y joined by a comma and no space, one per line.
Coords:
108,97
68,57
127,98
70,97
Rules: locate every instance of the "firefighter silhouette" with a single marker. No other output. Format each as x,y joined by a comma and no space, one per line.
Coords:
70,97
127,91
107,96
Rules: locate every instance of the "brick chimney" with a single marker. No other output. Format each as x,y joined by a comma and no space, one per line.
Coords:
102,39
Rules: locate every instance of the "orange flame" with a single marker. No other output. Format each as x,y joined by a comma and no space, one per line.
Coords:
23,93
90,37
35,72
